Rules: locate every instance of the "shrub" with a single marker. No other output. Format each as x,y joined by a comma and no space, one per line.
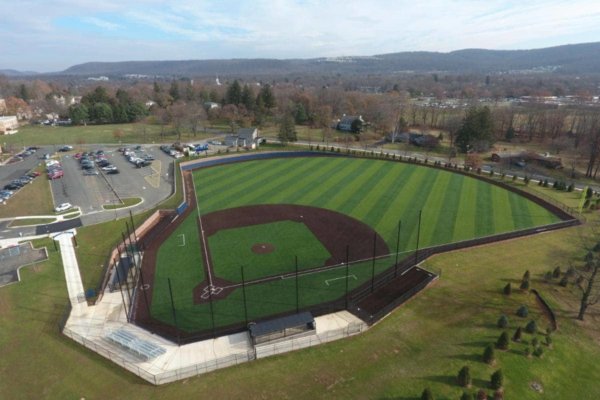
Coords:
488,354
427,395
523,311
481,395
508,289
502,342
497,379
525,284
556,272
564,281
531,327
464,377
502,321
518,334
538,352
467,396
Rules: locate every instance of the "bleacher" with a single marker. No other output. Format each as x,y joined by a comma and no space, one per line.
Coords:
141,348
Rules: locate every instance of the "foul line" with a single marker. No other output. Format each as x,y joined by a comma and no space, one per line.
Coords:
341,277
208,268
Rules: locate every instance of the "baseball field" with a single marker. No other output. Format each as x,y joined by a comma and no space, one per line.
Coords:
276,235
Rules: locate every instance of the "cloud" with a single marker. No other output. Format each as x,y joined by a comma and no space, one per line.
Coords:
65,32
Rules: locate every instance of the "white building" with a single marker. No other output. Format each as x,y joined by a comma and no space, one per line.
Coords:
9,125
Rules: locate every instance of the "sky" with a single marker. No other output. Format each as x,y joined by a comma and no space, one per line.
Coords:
51,35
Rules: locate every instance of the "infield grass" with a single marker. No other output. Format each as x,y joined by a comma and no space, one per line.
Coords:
379,193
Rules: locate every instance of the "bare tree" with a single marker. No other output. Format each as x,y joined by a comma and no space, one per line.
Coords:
588,278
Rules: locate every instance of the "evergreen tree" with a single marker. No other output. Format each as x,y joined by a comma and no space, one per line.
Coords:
464,377
247,98
427,395
234,93
267,97
502,342
476,131
488,355
497,379
287,129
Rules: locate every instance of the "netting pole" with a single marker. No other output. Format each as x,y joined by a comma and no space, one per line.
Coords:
121,289
144,291
173,311
134,274
297,294
397,248
133,228
120,261
418,236
347,272
244,296
373,265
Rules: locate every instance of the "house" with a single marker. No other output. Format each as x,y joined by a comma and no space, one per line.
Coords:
210,105
351,123
245,137
9,125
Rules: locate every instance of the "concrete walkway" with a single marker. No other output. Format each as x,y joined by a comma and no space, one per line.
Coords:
71,267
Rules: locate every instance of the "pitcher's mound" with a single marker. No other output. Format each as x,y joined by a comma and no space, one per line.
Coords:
263,248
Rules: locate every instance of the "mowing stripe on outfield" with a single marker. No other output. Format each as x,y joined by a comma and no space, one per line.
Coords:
274,189
446,217
383,206
484,224
334,183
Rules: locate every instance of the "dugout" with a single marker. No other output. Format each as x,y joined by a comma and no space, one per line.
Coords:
291,325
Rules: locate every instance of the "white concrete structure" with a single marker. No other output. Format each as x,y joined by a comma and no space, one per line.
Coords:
91,325
9,125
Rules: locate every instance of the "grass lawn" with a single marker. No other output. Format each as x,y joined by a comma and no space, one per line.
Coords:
376,192
422,344
34,198
92,134
31,221
126,203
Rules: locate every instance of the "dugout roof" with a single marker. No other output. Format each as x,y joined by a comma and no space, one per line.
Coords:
280,324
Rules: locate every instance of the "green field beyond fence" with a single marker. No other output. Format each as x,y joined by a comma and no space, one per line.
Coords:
378,193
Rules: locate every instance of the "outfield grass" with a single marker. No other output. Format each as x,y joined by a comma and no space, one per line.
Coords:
376,192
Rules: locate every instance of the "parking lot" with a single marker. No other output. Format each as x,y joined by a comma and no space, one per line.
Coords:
91,192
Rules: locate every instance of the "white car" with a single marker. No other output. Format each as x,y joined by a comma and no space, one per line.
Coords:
63,207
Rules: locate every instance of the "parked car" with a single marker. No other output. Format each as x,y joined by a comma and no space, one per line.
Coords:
63,207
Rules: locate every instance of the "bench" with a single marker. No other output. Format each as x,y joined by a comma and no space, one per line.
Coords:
141,348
